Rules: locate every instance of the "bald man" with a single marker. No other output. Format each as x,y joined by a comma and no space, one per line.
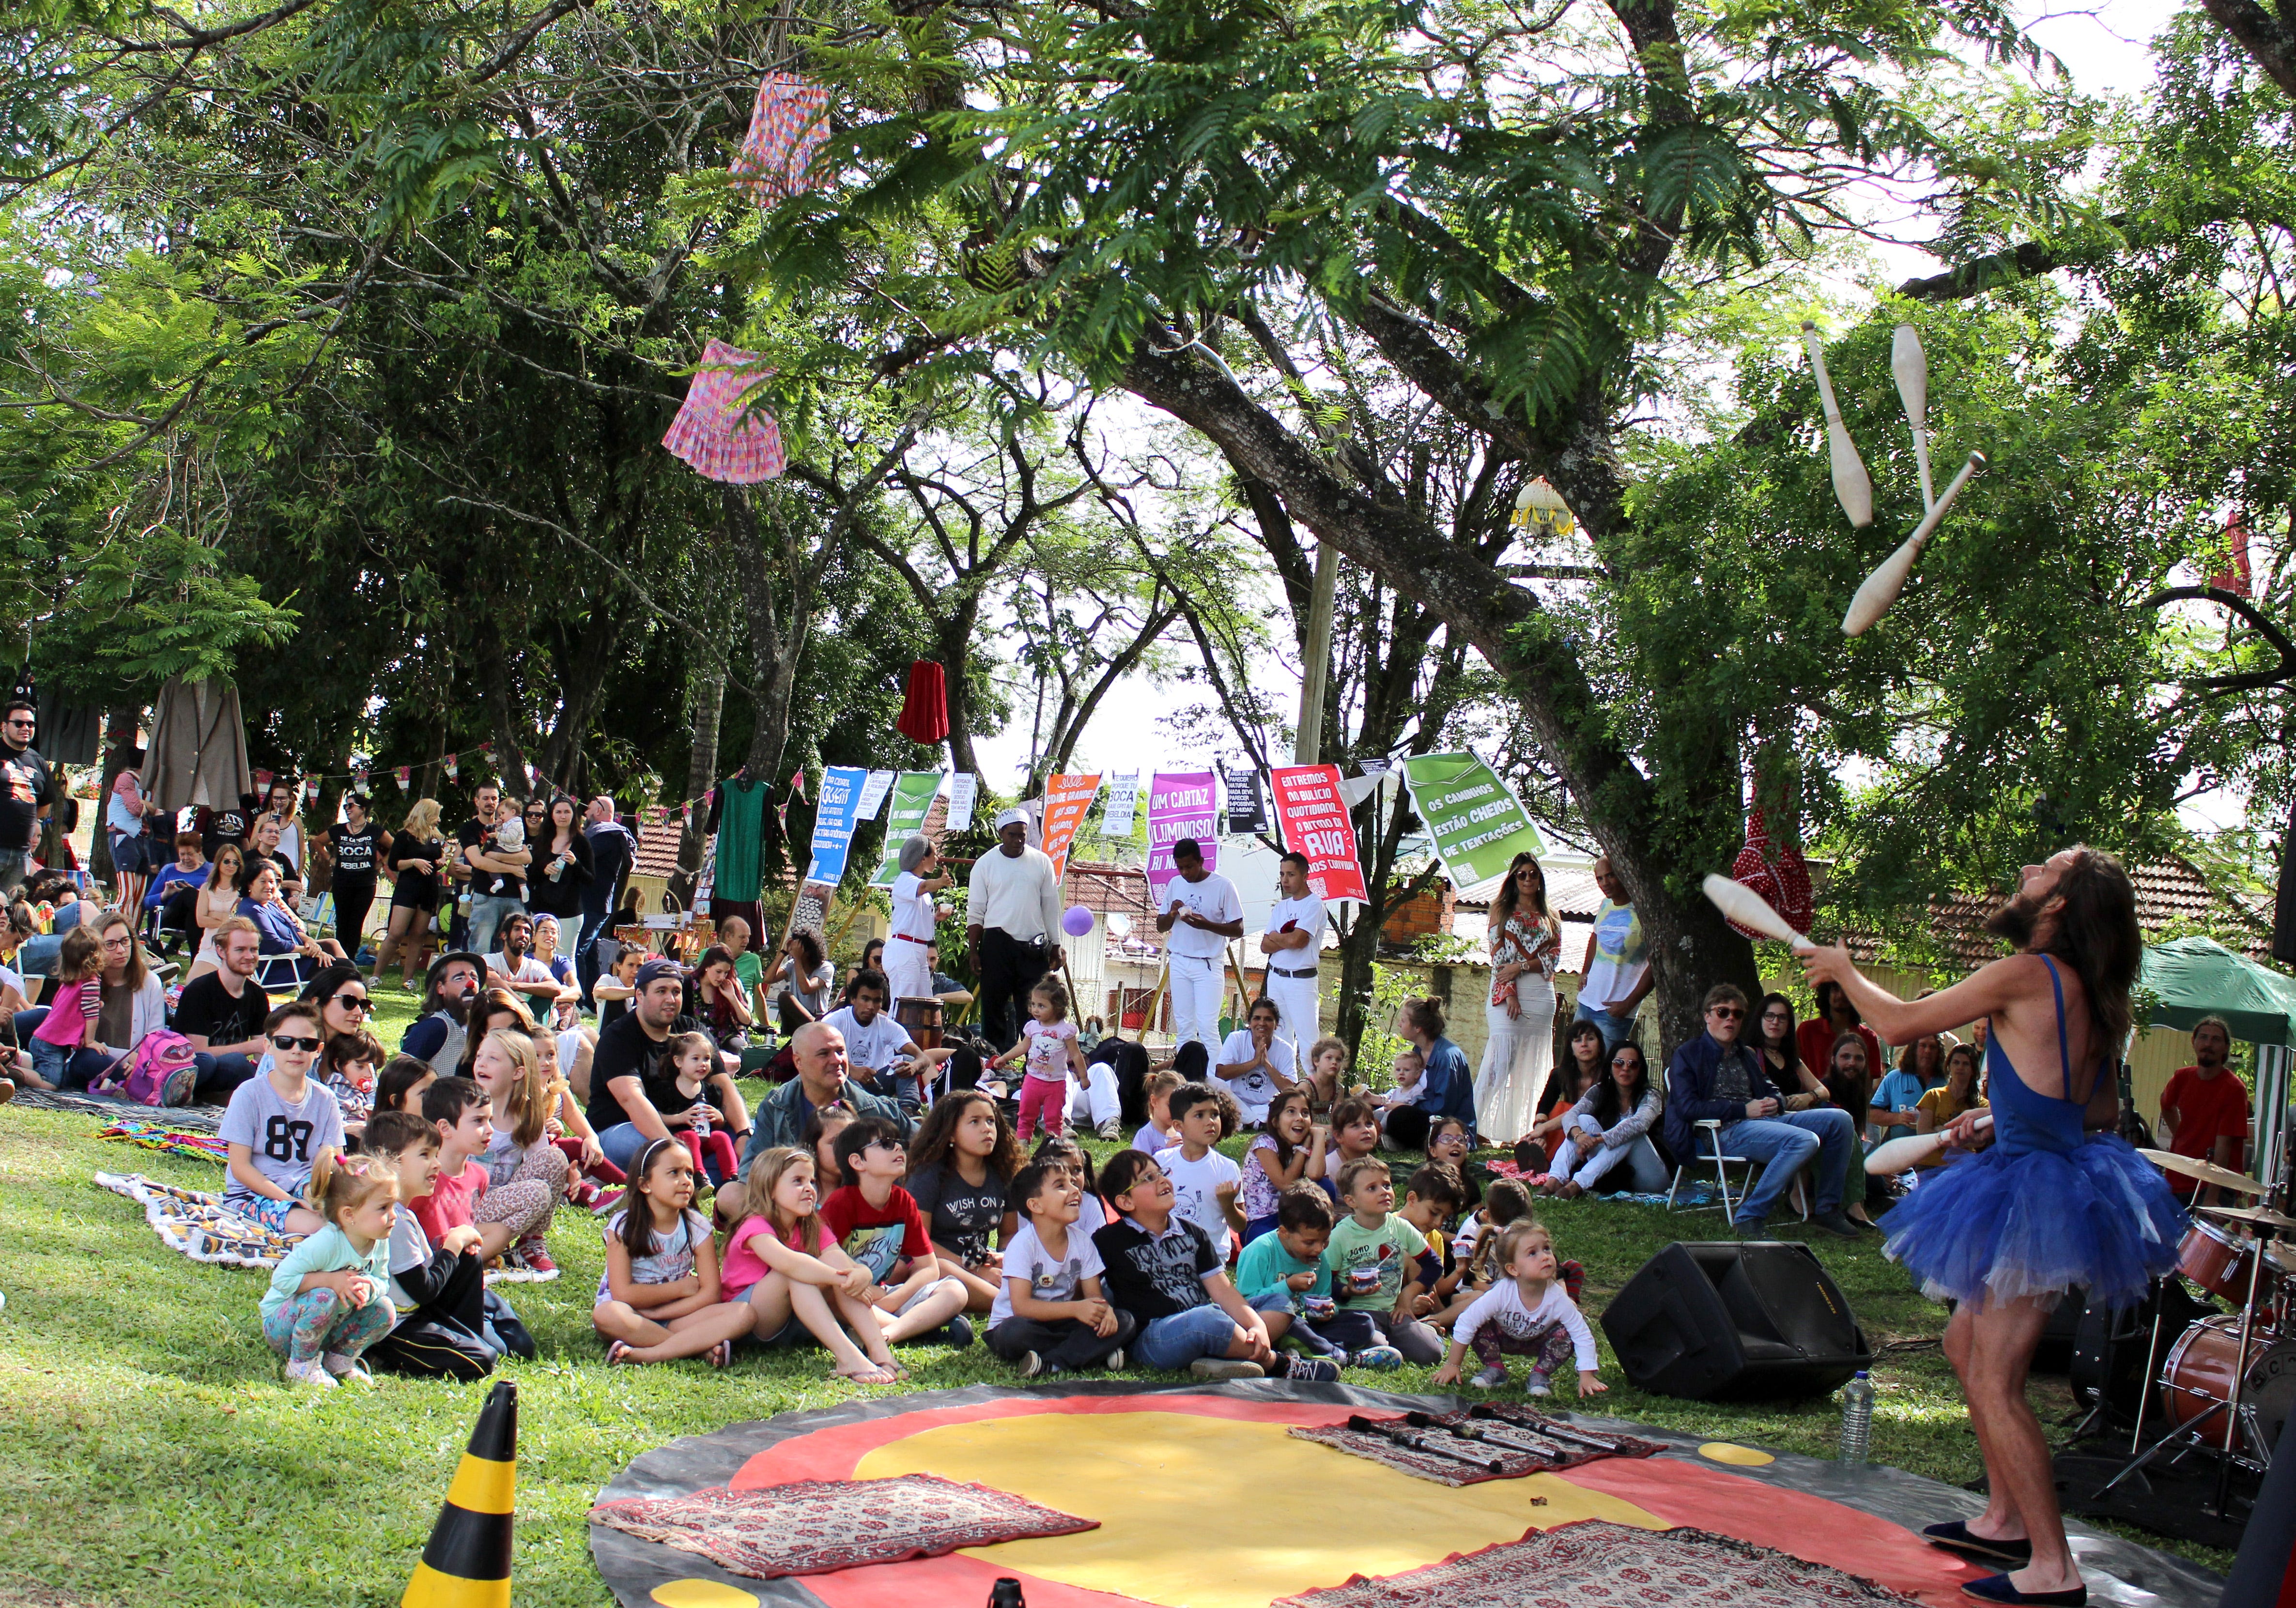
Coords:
822,1077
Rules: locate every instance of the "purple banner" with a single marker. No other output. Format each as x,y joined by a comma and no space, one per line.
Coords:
1179,806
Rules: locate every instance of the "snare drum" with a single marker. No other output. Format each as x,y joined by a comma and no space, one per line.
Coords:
2216,1260
922,1018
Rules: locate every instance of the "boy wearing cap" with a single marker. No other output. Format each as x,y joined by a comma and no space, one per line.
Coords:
1012,914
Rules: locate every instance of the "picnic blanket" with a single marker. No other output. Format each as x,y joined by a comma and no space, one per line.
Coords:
813,1526
1492,1441
195,1223
1595,1563
168,1140
189,1118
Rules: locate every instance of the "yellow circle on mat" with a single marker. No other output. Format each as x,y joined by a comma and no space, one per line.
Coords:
1744,1457
1221,1513
702,1594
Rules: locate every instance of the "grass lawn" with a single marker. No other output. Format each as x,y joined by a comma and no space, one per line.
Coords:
149,1453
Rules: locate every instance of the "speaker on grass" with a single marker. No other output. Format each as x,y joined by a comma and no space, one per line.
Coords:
1731,1320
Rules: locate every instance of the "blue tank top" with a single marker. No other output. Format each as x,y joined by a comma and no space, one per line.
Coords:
2022,1119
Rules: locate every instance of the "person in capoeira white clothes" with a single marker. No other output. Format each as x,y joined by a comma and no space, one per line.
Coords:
1202,912
1294,936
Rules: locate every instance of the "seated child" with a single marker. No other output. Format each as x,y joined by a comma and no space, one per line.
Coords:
1474,1248
1061,1150
346,1066
1282,1156
659,1298
65,1053
1163,1269
876,1224
1204,1182
1409,1066
440,1294
1375,1279
694,1060
526,1173
1156,1134
1431,1200
400,1086
1282,1273
329,1297
463,1117
1327,1072
280,1126
1526,1314
1050,1316
781,1260
1354,1135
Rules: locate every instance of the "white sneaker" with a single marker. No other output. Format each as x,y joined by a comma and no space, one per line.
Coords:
348,1370
1111,1130
310,1372
1538,1386
1031,1364
1488,1378
1115,1363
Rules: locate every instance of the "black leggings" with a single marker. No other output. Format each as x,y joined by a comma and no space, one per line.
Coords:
354,897
1066,1342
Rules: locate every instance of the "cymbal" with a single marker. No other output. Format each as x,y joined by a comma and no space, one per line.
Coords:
2207,1172
2250,1214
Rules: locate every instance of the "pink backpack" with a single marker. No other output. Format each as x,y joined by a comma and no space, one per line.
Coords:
162,1066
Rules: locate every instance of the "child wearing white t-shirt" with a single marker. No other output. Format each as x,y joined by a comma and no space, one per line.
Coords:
1049,1314
1204,1182
1526,1314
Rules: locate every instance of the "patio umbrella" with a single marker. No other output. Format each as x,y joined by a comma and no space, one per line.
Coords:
199,747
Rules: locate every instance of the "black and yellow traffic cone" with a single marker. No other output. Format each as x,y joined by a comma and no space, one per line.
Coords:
467,1563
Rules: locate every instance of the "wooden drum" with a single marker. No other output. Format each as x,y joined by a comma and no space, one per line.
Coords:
922,1018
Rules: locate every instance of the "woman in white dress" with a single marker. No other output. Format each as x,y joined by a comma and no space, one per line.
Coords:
1525,940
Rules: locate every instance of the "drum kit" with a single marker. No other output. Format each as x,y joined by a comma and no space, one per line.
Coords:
2227,1384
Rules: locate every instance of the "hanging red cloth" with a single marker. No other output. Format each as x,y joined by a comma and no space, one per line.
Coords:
924,708
1784,884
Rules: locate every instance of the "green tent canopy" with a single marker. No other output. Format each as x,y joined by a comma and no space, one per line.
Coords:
2190,977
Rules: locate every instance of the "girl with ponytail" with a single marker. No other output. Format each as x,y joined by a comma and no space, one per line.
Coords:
329,1297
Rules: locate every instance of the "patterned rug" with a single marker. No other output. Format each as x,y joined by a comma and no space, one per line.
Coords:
168,1140
1495,1440
194,1223
814,1526
1595,1564
191,1118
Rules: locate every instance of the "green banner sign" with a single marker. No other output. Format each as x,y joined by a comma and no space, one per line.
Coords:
1475,819
913,796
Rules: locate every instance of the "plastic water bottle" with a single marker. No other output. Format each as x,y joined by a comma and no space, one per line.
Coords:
1857,1418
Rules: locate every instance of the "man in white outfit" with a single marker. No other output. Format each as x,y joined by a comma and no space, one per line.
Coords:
1291,943
1202,912
909,943
1012,913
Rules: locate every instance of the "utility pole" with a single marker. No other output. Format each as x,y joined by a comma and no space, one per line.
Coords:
1307,748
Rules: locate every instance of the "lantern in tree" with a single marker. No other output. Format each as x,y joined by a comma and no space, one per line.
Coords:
1540,511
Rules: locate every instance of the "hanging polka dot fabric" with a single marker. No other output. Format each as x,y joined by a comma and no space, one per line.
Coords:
1785,884
712,433
788,126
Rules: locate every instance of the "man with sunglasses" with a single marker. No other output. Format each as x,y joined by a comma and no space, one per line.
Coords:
1717,1078
26,789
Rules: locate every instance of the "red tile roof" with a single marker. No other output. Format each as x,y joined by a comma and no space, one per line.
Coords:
2168,892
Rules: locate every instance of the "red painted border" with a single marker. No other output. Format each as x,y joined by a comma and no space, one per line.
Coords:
1676,1489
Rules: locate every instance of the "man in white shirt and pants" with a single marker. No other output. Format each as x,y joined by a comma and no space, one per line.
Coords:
1291,943
1010,913
1202,912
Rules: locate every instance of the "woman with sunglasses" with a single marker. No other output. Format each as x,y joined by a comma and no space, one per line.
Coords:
1526,941
1609,1128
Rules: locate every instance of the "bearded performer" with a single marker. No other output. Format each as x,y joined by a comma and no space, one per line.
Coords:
2057,1203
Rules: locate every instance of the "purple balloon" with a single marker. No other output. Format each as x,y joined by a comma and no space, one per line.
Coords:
1077,921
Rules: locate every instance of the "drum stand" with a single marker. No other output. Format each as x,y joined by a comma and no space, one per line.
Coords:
2243,1428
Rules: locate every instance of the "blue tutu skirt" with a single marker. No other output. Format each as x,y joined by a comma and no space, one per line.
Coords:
2038,1223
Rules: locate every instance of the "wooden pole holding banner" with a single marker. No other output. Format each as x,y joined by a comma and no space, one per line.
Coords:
1306,745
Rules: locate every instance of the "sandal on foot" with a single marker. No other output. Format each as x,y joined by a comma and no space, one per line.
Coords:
721,1355
872,1374
618,1355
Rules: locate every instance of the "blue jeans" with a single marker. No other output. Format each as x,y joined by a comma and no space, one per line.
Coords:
1785,1144
38,956
586,951
621,1143
218,1075
488,911
67,1066
1616,1030
1169,1344
1281,1298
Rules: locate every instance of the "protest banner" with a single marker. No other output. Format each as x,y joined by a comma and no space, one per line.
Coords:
874,793
1179,806
962,788
1123,802
1247,801
833,820
1476,821
1066,800
914,792
1312,812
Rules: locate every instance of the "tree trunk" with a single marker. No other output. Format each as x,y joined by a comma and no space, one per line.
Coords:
1690,944
510,753
701,774
952,642
775,641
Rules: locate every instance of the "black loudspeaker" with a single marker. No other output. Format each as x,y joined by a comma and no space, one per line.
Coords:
1735,1321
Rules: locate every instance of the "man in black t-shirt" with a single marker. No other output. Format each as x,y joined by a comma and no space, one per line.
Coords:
222,1012
632,1084
498,875
26,787
226,824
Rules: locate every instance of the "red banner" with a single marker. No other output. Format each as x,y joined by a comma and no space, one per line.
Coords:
1066,800
1313,814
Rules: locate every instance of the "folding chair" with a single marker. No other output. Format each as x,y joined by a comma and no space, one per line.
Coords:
278,973
1709,1137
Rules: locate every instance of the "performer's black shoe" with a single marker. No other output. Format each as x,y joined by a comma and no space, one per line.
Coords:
1955,1533
1996,1588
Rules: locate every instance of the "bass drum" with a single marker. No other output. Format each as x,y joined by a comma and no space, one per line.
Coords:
2198,1376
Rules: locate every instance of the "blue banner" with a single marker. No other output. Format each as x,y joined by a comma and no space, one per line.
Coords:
834,819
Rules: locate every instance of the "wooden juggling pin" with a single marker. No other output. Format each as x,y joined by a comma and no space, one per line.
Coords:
1911,365
1889,577
1852,487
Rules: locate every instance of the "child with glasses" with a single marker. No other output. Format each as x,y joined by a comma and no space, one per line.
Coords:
278,1127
